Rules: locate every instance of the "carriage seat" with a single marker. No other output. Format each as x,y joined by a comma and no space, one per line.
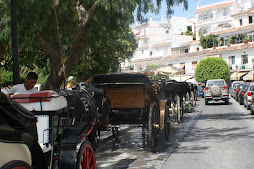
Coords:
42,101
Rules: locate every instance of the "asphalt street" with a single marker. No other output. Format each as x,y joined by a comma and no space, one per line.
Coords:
214,136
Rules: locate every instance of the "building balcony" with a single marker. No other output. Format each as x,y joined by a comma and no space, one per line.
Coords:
211,20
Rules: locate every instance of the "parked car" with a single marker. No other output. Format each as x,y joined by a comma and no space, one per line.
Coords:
243,88
216,89
200,91
237,90
232,87
248,96
252,105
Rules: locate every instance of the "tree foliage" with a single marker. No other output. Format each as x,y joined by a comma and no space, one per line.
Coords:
209,41
212,68
74,37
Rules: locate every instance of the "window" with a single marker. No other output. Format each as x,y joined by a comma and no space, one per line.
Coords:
217,83
241,22
197,49
151,53
250,20
182,65
231,60
167,31
244,59
225,13
204,31
194,65
186,50
211,16
142,51
204,17
146,41
251,38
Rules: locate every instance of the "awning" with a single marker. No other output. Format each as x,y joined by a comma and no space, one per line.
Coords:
249,76
165,70
180,78
237,75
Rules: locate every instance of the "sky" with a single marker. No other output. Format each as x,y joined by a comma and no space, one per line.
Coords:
192,6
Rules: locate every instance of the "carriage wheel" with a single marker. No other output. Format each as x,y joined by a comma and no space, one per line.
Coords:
85,158
184,103
153,132
166,122
178,108
16,165
182,108
192,99
188,102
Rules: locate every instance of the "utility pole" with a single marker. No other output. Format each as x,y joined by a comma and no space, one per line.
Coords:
15,54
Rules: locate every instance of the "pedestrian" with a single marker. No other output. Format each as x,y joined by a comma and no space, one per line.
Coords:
88,79
72,82
27,87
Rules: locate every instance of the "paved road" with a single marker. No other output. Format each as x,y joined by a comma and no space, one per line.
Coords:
212,136
223,137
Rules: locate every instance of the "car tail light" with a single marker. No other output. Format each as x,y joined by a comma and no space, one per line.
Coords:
206,88
242,93
237,90
249,94
225,87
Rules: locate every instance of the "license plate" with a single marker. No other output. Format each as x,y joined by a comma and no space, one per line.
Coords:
216,98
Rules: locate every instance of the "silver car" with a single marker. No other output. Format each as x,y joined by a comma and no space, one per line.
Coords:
216,90
248,95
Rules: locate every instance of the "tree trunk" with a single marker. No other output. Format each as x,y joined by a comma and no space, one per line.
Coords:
79,45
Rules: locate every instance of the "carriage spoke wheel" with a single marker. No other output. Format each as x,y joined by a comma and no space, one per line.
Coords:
188,102
192,99
178,109
166,122
16,164
153,132
184,103
86,159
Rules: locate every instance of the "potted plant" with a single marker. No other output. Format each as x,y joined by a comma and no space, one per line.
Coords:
230,40
245,39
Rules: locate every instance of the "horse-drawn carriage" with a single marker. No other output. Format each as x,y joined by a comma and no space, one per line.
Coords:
58,128
177,95
133,101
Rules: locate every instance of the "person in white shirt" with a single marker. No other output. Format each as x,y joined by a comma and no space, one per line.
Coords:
27,87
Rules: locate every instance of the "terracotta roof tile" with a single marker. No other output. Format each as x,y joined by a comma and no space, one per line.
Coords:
214,6
212,51
234,29
147,59
244,12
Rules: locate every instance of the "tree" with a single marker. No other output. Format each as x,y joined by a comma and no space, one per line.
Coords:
208,41
212,68
55,36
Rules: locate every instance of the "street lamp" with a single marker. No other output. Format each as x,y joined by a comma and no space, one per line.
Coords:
119,61
236,67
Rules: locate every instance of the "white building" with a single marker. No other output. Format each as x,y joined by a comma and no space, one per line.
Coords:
158,39
231,20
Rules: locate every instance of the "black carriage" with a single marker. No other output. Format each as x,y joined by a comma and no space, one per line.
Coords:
66,127
184,92
133,101
193,93
177,95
